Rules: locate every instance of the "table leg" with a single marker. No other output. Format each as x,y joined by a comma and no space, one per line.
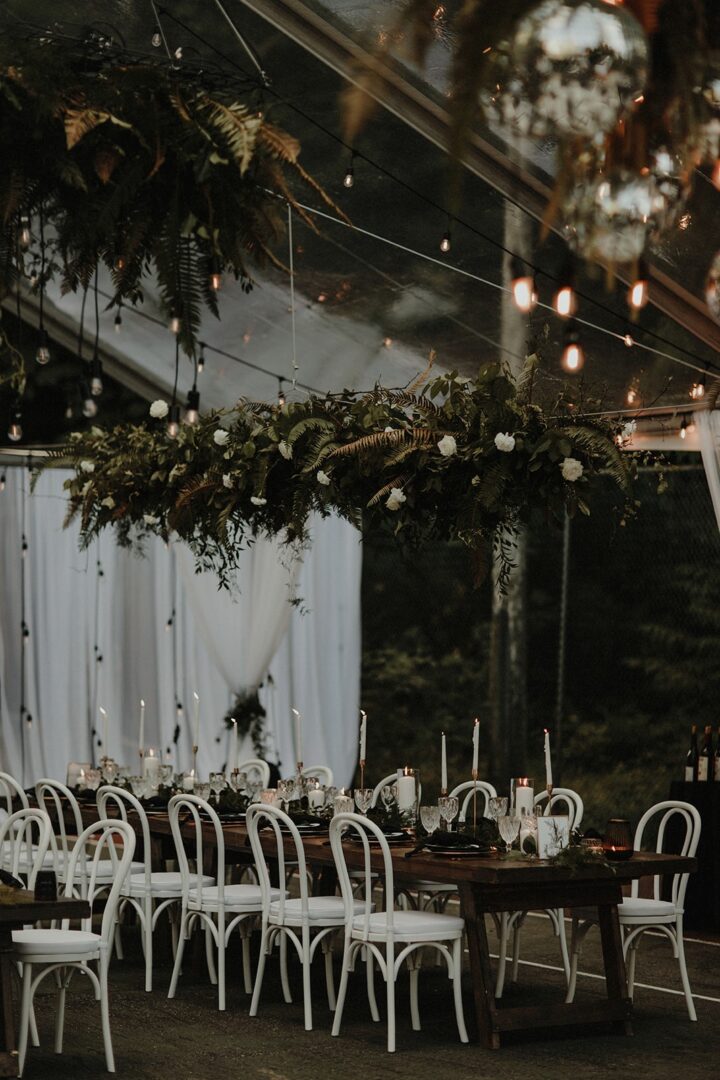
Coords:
482,980
614,960
8,1051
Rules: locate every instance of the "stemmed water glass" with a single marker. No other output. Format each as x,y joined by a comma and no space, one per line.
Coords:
509,827
218,783
238,781
497,807
110,770
388,794
448,806
167,775
253,788
202,789
363,799
286,790
430,818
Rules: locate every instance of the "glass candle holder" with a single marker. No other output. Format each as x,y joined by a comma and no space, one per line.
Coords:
618,840
523,789
408,794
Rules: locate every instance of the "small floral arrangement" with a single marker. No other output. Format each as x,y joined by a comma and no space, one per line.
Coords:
459,459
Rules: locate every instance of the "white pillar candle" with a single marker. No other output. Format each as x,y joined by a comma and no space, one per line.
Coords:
235,755
406,790
548,762
298,736
104,715
151,766
81,780
363,734
316,798
524,796
189,781
476,745
141,736
443,764
196,736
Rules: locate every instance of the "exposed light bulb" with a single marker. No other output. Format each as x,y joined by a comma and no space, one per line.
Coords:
446,242
573,355
24,236
15,431
629,340
697,390
2,482
715,174
156,40
215,275
349,177
192,407
387,342
42,353
565,301
201,360
89,404
281,394
178,54
118,322
639,291
683,429
173,423
96,371
174,324
631,396
524,294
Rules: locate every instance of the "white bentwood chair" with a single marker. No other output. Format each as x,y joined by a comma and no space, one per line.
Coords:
323,773
256,769
11,792
569,801
306,921
25,838
638,913
379,932
65,951
217,907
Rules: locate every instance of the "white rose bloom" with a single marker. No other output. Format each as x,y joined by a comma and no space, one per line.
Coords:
221,436
323,478
629,429
285,450
109,502
257,501
87,467
447,446
505,442
395,499
149,519
228,481
572,469
159,409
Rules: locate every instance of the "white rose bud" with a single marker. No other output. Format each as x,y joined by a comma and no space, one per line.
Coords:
256,500
285,450
505,442
323,478
159,409
150,519
109,502
447,446
228,481
572,469
395,499
221,436
87,467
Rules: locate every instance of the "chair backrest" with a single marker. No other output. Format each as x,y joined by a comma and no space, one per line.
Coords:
386,781
107,838
564,798
50,795
258,767
323,773
279,825
485,792
11,789
363,828
190,806
111,799
24,841
689,819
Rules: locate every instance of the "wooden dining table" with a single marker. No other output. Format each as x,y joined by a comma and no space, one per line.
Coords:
17,911
488,885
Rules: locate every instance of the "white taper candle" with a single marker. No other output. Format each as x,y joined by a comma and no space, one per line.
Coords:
104,715
196,736
363,734
443,764
298,735
235,746
141,736
548,762
476,745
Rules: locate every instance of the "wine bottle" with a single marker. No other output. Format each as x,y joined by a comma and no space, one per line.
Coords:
692,757
716,770
705,757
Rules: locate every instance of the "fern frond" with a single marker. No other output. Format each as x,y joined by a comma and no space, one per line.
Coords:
379,439
424,375
309,423
238,128
397,481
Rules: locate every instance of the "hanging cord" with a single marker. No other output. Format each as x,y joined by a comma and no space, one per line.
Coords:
41,311
97,317
97,659
81,329
562,646
253,56
292,297
177,370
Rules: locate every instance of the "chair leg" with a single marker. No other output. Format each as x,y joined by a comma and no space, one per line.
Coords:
390,991
340,1004
683,970
516,949
177,966
147,921
105,1016
502,957
34,1035
457,989
284,969
25,1008
60,1012
329,977
632,955
370,974
307,996
414,1004
221,964
562,937
210,955
245,931
259,972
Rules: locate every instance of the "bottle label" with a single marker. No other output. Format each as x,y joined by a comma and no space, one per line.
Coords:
703,768
689,777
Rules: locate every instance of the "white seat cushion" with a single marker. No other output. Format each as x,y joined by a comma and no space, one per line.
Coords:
323,910
411,925
54,942
237,897
163,883
105,870
433,886
638,907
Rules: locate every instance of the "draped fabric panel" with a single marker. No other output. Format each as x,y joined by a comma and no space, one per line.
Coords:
708,425
106,627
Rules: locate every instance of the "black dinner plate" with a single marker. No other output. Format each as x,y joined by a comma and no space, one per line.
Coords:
397,837
459,852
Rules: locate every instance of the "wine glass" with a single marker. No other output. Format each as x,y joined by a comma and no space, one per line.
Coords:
388,794
92,779
138,786
110,771
167,775
238,781
253,788
448,806
497,807
218,783
286,790
430,818
363,799
343,805
509,827
202,789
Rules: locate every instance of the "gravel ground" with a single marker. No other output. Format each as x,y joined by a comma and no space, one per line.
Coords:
188,1038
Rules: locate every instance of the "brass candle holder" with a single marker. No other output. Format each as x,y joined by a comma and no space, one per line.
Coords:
362,774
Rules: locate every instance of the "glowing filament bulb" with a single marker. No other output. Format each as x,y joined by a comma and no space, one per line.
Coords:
445,243
565,301
715,174
639,292
349,177
524,294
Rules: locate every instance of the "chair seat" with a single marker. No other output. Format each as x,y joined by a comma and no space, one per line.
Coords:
164,884
237,898
105,868
29,943
323,910
433,886
410,926
638,907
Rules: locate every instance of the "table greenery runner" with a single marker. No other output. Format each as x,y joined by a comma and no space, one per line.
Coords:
459,459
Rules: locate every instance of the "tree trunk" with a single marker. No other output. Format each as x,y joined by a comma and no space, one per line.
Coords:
508,667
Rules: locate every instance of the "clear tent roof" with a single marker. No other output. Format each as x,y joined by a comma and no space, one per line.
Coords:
372,304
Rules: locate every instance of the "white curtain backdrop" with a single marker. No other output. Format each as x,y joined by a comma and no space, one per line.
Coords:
106,627
708,426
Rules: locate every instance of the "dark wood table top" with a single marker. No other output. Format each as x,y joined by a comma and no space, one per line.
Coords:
24,908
